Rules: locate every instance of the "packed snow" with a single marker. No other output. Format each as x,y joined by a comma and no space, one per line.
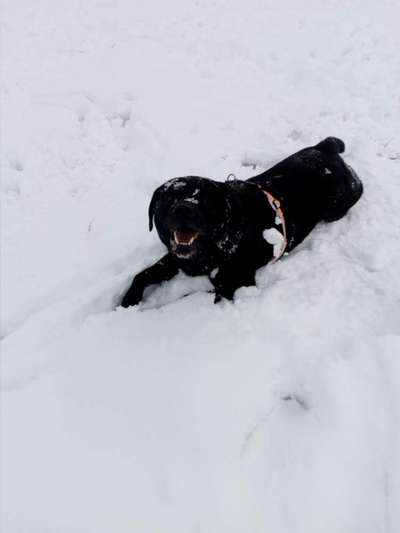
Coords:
277,413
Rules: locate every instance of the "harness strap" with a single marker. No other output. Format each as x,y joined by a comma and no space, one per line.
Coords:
276,206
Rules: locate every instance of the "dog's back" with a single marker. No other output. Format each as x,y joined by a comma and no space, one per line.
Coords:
313,185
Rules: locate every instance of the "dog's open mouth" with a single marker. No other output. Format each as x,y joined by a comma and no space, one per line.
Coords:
185,238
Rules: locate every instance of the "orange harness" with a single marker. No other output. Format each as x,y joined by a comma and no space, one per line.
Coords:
280,219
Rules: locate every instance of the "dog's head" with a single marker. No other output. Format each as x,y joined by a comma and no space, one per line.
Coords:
191,216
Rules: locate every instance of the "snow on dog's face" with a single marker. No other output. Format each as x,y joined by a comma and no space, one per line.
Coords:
189,213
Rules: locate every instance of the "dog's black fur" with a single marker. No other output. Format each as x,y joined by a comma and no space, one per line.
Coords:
217,228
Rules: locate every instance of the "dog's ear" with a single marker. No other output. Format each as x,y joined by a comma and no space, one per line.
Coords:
152,206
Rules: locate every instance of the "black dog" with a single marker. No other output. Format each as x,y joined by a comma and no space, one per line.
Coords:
229,230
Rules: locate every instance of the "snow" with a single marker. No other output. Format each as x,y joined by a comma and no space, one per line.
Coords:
280,412
275,237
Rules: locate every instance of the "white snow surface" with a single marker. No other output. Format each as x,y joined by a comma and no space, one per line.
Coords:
278,413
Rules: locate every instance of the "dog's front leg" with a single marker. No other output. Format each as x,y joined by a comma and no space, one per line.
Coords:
231,277
163,270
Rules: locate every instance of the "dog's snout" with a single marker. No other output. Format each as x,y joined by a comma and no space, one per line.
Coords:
183,211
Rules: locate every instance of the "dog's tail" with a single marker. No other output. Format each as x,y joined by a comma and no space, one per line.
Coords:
332,145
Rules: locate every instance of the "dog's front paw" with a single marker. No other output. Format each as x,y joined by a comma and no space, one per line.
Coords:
226,294
128,301
132,297
217,298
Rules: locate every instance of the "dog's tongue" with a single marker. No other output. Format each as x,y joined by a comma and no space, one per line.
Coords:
184,237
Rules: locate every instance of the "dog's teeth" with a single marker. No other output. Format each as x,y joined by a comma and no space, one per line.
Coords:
183,243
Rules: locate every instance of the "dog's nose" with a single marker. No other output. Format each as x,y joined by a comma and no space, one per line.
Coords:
182,211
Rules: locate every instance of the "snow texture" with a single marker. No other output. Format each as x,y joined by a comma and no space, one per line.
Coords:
280,412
